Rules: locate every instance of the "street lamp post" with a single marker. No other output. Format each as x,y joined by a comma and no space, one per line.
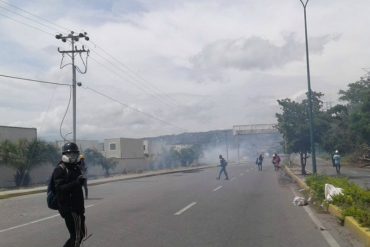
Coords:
313,155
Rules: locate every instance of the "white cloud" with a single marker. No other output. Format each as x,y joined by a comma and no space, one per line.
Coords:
211,64
255,53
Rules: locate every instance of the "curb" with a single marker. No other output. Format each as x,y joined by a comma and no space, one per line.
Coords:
22,192
335,211
349,222
360,231
299,181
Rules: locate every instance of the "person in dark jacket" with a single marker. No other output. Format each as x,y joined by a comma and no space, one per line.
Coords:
223,165
68,185
83,167
259,162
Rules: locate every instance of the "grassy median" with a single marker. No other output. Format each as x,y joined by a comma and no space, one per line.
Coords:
354,202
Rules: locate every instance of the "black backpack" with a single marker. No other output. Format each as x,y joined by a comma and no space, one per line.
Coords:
51,195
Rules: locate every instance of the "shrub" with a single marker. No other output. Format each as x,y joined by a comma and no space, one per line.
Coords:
355,200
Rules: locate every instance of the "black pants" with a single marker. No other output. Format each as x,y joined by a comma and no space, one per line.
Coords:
76,228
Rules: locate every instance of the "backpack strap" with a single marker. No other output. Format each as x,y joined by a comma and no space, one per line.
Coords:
63,166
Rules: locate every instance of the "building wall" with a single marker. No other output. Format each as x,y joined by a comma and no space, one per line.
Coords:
132,148
82,144
16,133
111,152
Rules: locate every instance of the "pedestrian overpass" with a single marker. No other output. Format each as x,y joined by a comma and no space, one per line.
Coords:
254,129
251,129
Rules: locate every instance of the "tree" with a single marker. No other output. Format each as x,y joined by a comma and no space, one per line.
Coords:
189,155
25,155
338,136
95,158
357,98
293,124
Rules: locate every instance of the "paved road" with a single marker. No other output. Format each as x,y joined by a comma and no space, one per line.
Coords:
185,209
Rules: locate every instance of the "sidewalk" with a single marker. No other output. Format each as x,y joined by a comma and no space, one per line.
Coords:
360,176
91,182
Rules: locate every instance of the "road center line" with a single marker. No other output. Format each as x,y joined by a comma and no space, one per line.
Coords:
219,187
35,221
185,208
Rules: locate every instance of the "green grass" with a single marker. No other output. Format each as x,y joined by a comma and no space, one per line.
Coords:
354,202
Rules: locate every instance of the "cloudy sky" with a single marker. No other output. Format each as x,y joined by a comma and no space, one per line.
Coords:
169,66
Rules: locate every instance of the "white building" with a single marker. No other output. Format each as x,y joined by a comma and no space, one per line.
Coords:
128,152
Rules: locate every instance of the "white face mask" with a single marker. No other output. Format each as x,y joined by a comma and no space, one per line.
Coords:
71,158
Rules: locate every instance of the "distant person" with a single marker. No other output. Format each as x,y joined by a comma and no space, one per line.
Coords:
336,161
68,182
276,161
223,164
259,162
83,168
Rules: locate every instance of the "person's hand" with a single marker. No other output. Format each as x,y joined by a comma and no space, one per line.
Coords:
81,179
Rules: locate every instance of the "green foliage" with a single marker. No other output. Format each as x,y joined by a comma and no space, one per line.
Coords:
357,97
293,124
25,155
95,158
355,200
185,156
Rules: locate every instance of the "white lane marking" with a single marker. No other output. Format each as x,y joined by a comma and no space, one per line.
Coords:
233,178
219,187
328,237
185,208
35,221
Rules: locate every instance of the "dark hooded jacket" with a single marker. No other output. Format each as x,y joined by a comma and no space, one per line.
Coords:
68,189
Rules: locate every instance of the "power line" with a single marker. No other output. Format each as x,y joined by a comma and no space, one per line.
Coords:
41,30
133,73
142,88
97,92
133,108
128,72
36,16
33,80
26,17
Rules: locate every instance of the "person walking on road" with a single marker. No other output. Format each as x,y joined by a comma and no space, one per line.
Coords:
336,161
259,162
223,164
83,167
276,161
68,181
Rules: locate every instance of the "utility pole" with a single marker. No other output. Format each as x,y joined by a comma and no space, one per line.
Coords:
227,145
71,53
310,113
